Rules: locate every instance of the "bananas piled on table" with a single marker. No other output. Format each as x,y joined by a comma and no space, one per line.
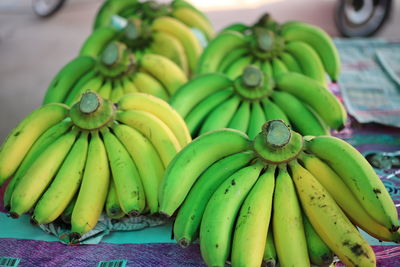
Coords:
74,162
149,27
114,73
213,101
279,197
292,46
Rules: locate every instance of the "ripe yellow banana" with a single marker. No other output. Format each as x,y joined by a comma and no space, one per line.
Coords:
345,198
251,228
22,137
220,214
180,31
359,176
40,174
189,163
65,184
160,109
146,83
147,161
94,188
125,175
155,130
329,221
164,70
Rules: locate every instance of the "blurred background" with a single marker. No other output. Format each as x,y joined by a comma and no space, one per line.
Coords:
33,49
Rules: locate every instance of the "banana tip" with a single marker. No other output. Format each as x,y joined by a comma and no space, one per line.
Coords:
268,263
75,236
164,215
134,213
341,127
33,221
14,215
7,208
184,243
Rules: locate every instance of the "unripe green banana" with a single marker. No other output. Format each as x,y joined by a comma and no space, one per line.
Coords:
187,222
146,83
269,258
278,67
290,62
287,223
97,41
196,117
273,111
241,119
185,169
251,228
257,119
113,208
219,216
231,57
236,68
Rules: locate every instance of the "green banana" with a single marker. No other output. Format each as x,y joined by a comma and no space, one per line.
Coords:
113,208
125,174
241,118
236,68
231,57
97,41
273,111
278,67
257,119
148,84
320,41
187,222
253,221
308,60
193,92
185,168
217,49
269,258
66,78
300,117
290,62
287,223
216,231
316,95
220,116
196,117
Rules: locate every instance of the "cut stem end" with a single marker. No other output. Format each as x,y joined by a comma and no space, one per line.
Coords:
277,133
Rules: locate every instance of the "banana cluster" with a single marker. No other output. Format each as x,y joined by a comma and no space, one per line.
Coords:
293,46
214,100
75,162
279,197
150,27
116,72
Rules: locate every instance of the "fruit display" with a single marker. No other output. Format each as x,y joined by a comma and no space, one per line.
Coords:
213,101
114,73
291,46
149,27
75,162
279,197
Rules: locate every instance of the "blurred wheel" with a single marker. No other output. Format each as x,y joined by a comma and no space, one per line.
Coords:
361,18
46,8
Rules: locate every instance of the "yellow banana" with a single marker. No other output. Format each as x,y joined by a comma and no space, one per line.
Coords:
94,188
22,137
155,130
146,83
65,184
147,161
329,221
161,110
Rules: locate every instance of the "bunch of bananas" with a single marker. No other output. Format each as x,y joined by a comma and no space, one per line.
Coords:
149,27
149,9
71,161
213,101
278,195
114,73
292,46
